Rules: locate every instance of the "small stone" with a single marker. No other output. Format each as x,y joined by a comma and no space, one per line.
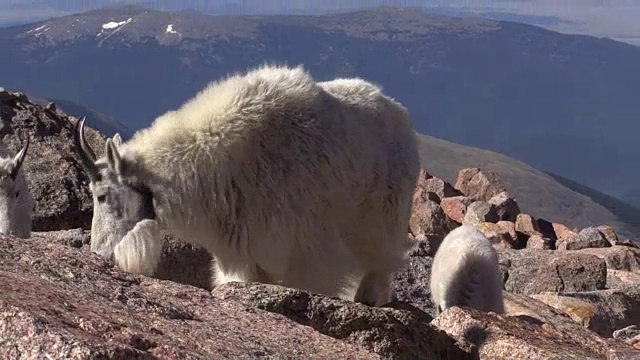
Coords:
594,237
75,242
479,185
508,227
496,235
506,207
627,332
527,225
51,107
609,234
4,94
587,238
537,271
21,96
423,195
441,188
562,231
537,242
423,176
480,211
455,207
428,218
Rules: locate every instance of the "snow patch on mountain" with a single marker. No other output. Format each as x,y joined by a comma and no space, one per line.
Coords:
113,24
170,30
39,30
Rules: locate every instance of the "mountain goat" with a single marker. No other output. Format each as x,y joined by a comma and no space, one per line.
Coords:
465,272
284,180
16,202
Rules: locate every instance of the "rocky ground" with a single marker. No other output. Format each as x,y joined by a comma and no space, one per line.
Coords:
570,293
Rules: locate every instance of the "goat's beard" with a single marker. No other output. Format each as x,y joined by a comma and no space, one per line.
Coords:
140,250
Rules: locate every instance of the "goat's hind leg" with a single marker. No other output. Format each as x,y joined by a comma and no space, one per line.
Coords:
322,266
244,274
374,289
379,262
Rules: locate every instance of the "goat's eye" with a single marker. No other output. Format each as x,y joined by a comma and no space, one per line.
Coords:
17,193
102,198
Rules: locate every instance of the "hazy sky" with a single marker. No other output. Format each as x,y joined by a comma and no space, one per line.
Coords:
617,19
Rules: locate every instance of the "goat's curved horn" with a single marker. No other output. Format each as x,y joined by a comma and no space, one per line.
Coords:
19,159
87,156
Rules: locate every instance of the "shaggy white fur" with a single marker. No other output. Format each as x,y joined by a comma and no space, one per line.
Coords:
139,245
16,202
466,273
282,179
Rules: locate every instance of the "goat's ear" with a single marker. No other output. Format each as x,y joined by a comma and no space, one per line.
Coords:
117,139
113,157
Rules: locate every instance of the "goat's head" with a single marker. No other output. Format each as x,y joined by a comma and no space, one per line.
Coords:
120,198
16,206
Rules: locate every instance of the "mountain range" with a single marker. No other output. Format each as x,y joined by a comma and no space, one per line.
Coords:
565,104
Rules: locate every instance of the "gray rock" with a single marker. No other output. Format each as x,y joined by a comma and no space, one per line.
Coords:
481,211
537,271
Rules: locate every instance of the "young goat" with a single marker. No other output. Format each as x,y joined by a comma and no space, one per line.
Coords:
16,202
465,272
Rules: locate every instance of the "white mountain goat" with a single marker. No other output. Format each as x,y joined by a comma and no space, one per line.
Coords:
282,179
16,201
465,272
